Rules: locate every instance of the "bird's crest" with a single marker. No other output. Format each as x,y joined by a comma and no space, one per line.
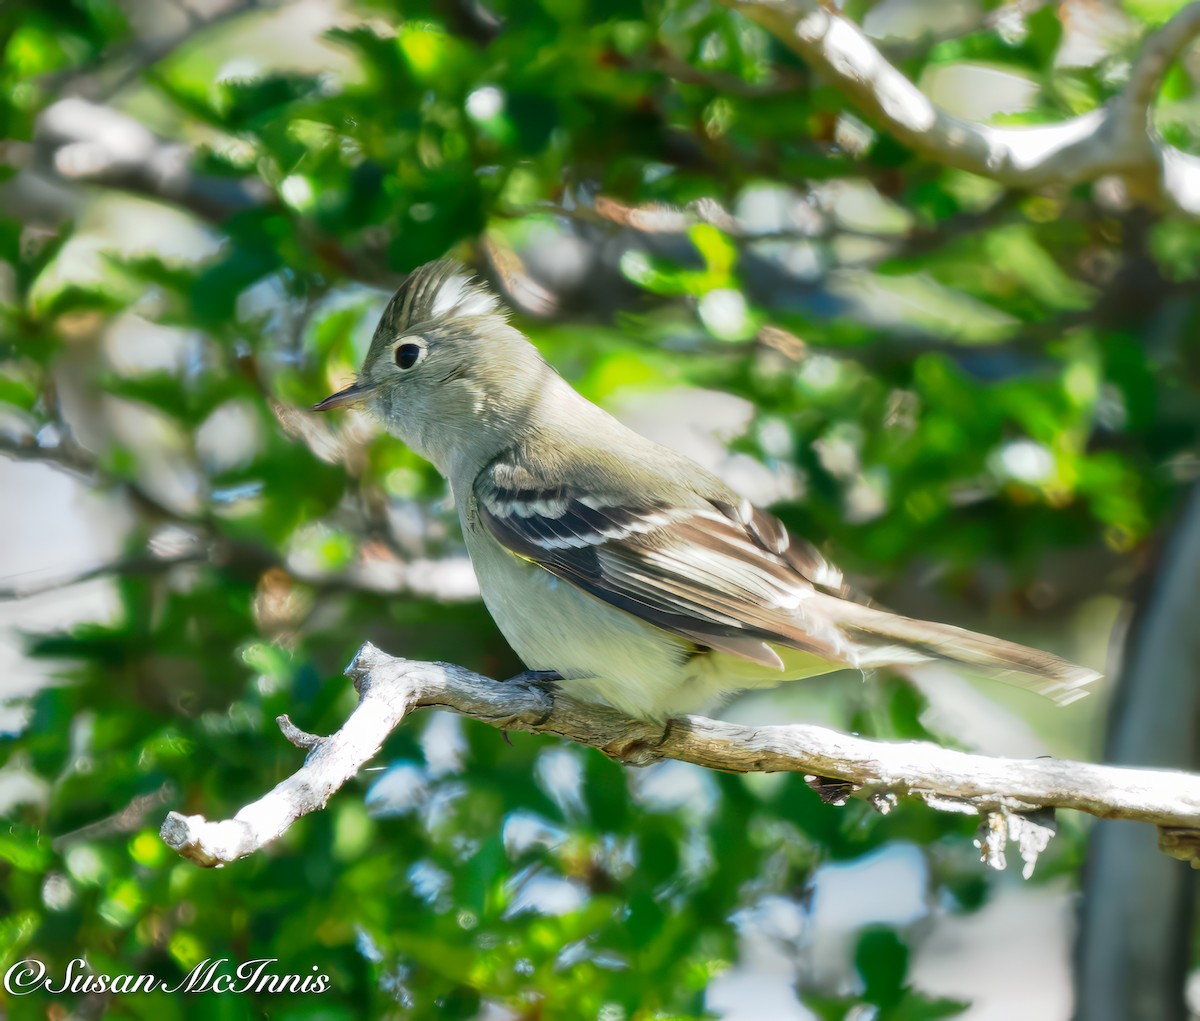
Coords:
436,292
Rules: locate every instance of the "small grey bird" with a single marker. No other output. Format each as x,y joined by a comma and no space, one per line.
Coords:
623,567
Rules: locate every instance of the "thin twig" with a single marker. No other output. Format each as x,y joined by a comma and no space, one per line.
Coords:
98,81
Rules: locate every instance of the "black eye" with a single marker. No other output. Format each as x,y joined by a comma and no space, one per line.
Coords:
407,355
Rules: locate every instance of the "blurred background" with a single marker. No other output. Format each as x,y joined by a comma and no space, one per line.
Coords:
982,401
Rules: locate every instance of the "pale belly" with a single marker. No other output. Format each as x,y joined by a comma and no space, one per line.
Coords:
605,654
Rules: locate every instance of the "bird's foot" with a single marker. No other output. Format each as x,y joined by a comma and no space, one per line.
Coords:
544,679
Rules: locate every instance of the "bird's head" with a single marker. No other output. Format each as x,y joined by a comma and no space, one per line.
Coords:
445,371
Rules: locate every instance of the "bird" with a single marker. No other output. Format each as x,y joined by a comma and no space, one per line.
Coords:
622,570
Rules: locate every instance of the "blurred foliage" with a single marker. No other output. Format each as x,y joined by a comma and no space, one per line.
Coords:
961,381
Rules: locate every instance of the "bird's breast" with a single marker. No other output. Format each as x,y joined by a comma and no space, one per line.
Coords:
552,625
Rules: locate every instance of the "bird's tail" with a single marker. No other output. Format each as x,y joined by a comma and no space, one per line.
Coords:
880,638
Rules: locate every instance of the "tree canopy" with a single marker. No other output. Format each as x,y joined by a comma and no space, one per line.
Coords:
942,257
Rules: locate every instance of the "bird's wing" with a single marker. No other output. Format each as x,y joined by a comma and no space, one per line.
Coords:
725,576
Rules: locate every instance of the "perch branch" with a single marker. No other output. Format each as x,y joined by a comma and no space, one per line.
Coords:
1014,797
1117,139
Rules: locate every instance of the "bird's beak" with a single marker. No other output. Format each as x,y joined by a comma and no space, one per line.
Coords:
352,395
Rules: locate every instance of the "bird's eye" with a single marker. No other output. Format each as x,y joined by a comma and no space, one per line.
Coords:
407,355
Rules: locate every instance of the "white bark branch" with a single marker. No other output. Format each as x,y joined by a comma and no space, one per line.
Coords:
1015,797
1117,139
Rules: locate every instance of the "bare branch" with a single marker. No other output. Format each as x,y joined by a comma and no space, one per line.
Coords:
128,820
1160,50
1116,139
136,565
87,143
1009,18
113,70
64,456
382,568
1015,797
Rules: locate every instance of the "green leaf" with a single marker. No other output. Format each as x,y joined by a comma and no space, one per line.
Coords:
25,848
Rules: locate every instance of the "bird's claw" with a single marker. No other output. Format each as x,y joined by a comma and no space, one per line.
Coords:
544,679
